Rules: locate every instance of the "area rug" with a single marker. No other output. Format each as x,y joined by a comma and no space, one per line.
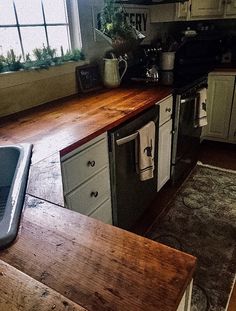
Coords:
202,222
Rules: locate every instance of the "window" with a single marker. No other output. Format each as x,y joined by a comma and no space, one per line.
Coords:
26,25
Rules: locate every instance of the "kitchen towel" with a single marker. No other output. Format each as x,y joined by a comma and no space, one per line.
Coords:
202,114
146,136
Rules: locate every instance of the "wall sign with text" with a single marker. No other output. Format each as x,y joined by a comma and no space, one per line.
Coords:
140,19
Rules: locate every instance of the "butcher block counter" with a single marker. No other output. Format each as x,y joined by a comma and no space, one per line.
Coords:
62,260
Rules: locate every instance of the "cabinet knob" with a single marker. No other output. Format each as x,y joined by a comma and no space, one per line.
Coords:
168,109
94,194
91,163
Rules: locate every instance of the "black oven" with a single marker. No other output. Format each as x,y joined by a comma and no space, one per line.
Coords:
186,130
195,58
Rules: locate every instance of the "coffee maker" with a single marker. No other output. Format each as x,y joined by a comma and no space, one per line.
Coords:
143,65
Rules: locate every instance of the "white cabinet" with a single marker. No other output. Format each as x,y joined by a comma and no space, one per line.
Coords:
230,10
162,13
207,8
221,111
185,303
86,180
182,11
164,141
232,128
194,10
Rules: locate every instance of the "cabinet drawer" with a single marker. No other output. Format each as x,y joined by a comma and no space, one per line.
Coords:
84,165
166,107
103,213
86,198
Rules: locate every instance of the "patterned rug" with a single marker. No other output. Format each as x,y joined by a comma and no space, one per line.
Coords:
202,222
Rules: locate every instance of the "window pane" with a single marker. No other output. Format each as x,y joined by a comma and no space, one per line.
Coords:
57,37
33,37
29,12
9,40
55,11
7,15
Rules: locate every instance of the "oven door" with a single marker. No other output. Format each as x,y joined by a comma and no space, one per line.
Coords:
186,136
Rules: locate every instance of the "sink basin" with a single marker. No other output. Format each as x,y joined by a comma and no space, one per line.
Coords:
14,168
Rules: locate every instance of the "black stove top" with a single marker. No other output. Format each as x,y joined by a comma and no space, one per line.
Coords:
183,83
179,81
194,59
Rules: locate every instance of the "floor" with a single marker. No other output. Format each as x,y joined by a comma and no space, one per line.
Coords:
212,153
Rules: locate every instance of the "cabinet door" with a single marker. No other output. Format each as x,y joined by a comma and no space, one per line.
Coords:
162,13
182,11
166,107
232,130
230,8
164,154
207,8
219,104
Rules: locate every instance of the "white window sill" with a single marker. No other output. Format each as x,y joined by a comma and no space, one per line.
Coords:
14,78
22,90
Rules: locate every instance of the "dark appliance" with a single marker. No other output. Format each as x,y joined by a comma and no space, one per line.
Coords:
186,132
194,59
130,196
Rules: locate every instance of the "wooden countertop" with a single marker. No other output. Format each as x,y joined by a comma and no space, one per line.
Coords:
80,261
29,294
65,125
97,266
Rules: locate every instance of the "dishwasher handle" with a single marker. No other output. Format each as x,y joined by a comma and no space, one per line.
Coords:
127,139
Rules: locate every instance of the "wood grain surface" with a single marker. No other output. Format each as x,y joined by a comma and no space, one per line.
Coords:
45,180
67,124
98,266
19,292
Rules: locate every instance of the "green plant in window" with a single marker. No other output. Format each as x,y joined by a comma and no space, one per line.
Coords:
13,62
73,55
44,58
2,61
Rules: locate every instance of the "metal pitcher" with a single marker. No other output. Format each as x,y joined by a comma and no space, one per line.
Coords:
112,77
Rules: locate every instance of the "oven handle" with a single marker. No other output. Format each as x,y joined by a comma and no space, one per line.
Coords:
186,100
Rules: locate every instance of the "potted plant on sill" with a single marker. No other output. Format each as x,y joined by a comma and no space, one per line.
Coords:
115,29
44,58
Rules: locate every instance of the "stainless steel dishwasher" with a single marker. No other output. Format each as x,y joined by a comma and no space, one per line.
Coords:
130,195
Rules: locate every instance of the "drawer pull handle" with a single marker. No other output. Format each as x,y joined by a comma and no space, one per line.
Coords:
94,194
168,109
91,163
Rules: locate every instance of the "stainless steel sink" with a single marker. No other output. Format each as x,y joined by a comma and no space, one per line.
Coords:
14,168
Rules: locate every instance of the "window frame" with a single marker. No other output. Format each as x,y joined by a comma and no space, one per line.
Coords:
72,23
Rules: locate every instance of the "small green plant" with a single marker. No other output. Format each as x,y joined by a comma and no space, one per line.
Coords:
2,60
45,57
73,55
12,61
